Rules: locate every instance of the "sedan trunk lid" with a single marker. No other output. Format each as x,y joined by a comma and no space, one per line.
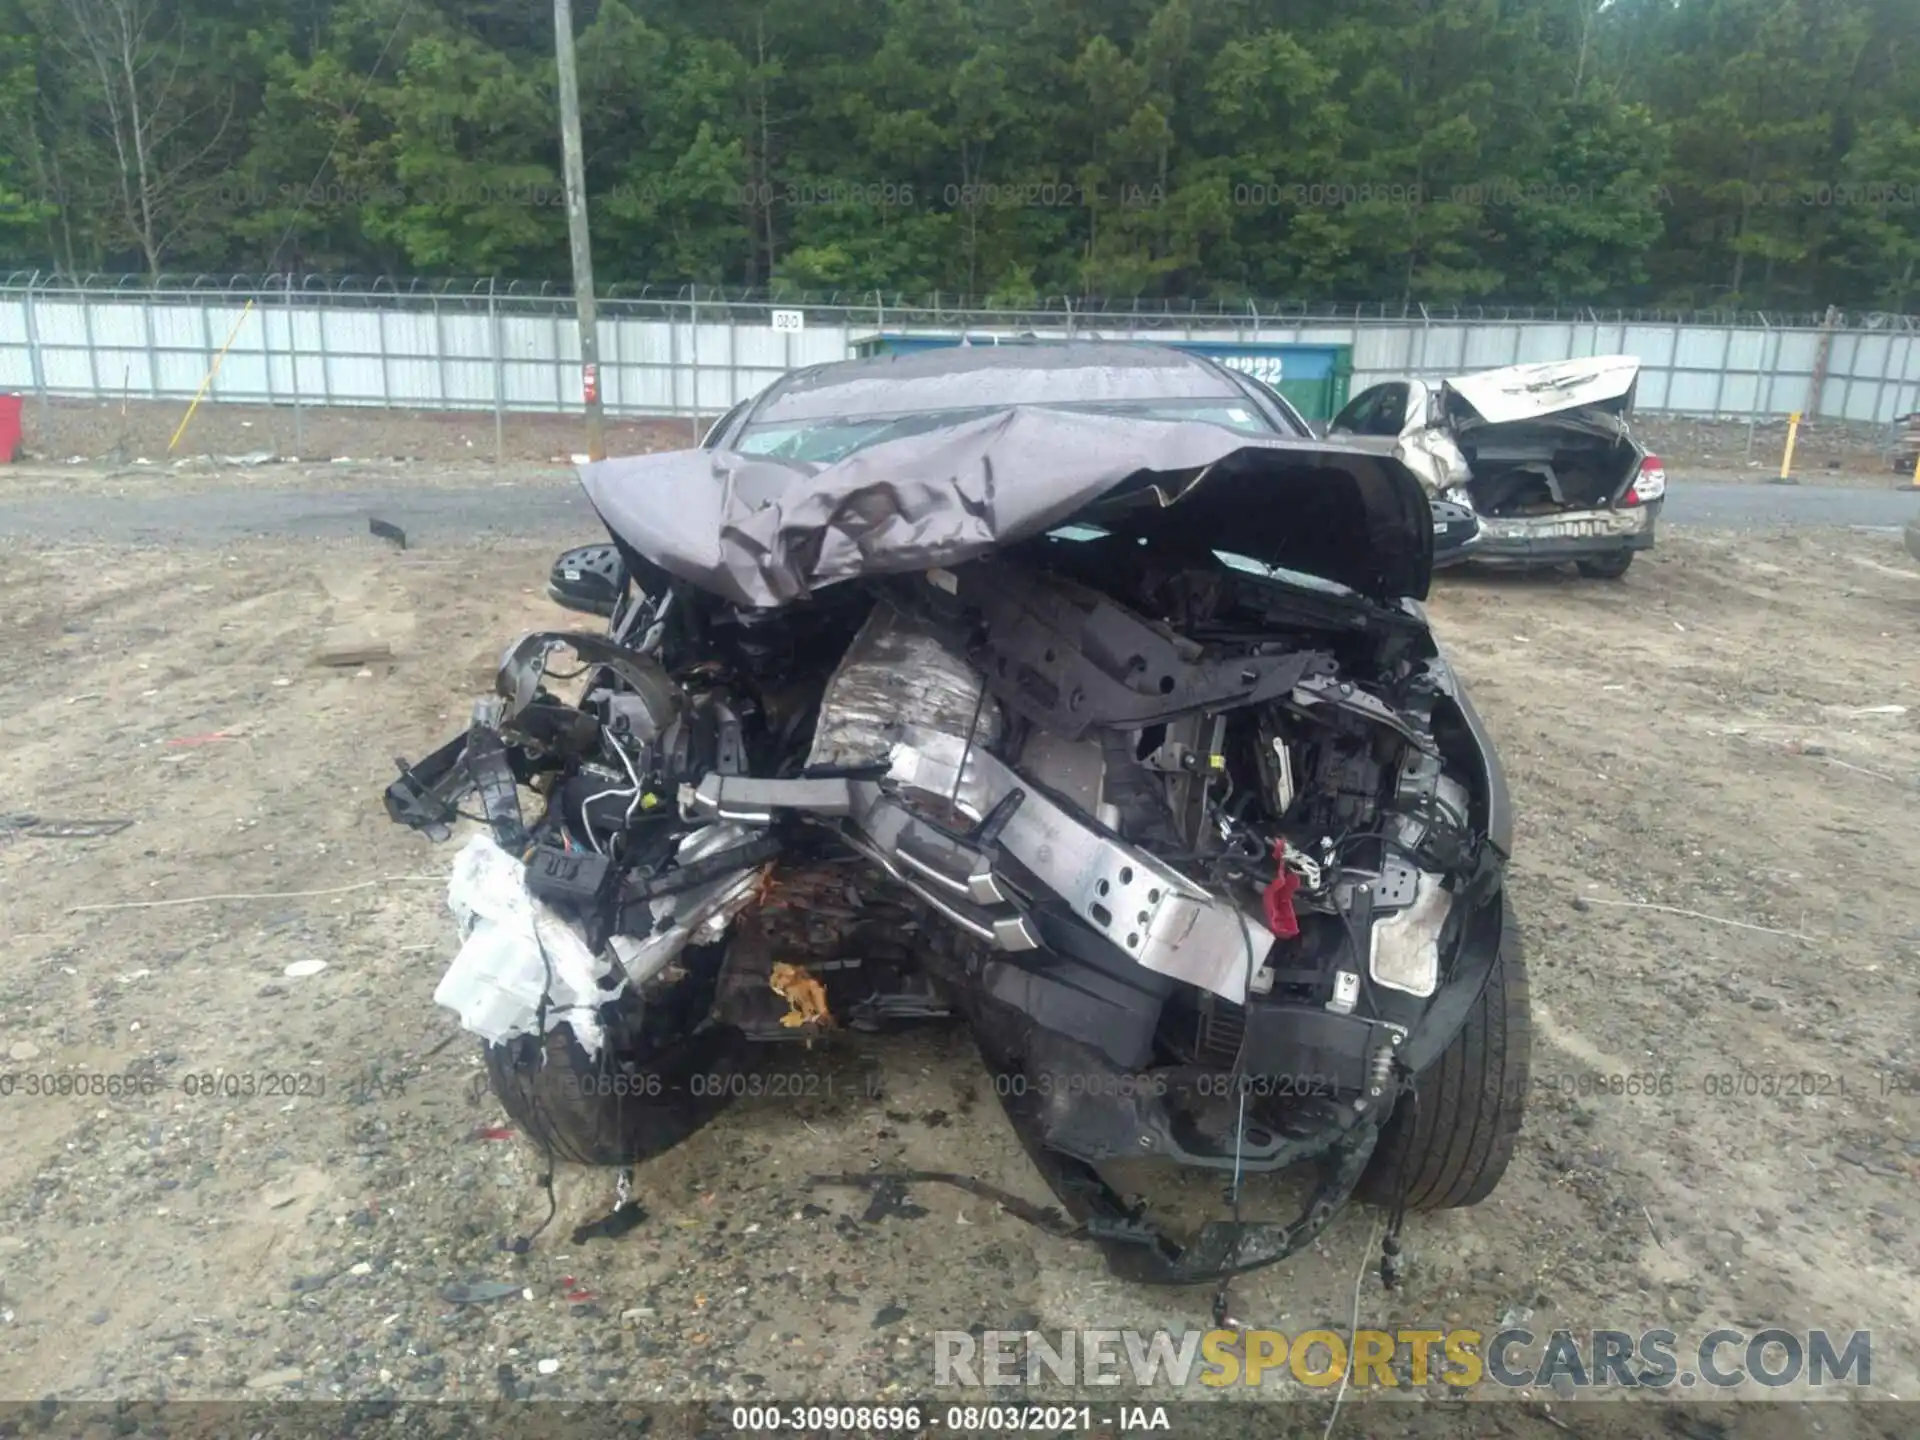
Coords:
1529,392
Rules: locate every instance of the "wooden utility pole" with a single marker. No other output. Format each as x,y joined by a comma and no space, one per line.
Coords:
576,177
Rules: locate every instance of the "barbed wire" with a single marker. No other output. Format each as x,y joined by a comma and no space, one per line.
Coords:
897,308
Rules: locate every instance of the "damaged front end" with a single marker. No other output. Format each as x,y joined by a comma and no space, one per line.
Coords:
1206,848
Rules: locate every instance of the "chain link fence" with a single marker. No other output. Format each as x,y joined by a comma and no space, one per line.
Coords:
346,341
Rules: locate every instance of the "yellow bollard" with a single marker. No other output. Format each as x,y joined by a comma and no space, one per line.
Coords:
208,379
1786,460
1914,484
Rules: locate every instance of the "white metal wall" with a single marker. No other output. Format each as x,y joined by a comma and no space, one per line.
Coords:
663,358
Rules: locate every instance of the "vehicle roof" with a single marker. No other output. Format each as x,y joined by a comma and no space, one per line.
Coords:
959,377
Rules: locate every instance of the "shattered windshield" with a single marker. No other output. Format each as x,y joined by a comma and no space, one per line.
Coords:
821,442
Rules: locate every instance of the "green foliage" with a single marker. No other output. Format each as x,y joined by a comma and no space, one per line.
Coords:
1758,153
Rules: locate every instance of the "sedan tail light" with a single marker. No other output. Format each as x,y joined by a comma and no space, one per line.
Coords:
1649,484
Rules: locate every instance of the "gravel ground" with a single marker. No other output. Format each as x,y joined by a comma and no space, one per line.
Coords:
294,1169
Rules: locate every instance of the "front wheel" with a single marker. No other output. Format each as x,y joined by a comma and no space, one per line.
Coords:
616,1108
1606,567
662,1072
1452,1139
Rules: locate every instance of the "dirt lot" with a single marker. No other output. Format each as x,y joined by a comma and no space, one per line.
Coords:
1825,452
59,430
1716,772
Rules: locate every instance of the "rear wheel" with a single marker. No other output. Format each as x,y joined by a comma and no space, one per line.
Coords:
1606,567
1458,1131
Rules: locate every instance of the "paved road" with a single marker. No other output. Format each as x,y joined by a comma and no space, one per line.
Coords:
430,514
1744,507
425,513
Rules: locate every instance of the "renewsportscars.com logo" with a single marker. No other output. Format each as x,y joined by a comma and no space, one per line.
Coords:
1388,1359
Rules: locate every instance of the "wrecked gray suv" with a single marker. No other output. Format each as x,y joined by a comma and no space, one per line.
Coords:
1028,689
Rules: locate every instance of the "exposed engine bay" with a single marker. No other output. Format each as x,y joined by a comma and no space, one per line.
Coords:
1206,853
1079,774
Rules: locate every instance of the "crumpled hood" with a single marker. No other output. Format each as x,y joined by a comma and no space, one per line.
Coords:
762,532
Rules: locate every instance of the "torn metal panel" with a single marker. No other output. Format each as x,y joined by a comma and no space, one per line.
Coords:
1405,949
1150,911
1434,456
699,915
895,668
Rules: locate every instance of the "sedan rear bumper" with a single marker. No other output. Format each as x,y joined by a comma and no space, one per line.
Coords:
1569,535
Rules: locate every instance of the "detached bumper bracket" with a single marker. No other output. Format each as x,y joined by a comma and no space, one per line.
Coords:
425,795
486,762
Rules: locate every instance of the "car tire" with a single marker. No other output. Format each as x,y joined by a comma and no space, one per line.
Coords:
1607,567
1448,1145
661,1074
595,1111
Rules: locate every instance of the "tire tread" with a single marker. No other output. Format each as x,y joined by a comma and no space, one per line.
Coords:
1470,1101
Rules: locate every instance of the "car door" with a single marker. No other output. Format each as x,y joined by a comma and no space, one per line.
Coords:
1357,413
1372,420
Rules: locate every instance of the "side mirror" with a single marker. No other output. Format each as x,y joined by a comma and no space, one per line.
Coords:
589,578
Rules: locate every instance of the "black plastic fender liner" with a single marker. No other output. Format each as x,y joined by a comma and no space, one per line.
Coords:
1086,1110
1313,1045
491,771
618,1108
1135,1247
1492,777
525,663
1083,986
662,1071
1453,1002
426,794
